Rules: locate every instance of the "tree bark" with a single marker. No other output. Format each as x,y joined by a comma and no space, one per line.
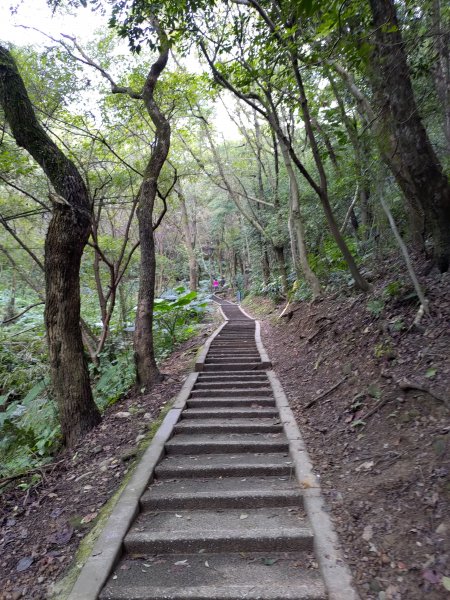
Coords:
297,227
189,240
392,83
147,372
67,235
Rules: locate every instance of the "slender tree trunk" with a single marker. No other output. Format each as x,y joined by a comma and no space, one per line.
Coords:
393,85
189,242
67,236
147,372
10,310
297,224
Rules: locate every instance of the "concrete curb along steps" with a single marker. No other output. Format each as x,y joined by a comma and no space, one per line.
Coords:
224,504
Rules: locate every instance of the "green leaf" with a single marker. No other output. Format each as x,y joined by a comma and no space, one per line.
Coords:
431,373
446,583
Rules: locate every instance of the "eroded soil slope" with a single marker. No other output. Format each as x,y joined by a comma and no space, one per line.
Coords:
380,446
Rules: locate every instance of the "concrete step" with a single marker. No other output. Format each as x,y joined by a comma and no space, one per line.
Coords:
236,384
244,343
225,465
232,359
219,366
269,529
226,443
228,413
232,352
253,402
228,348
233,375
227,576
231,391
229,426
225,492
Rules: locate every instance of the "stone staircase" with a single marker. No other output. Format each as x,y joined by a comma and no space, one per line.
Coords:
223,517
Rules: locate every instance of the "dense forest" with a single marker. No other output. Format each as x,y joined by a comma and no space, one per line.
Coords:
124,195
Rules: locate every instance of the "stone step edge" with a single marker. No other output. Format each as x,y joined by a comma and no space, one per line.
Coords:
222,499
220,592
333,567
224,540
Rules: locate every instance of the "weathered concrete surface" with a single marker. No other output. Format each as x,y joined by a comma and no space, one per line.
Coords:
233,509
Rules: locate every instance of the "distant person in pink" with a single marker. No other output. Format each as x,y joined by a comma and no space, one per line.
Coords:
215,284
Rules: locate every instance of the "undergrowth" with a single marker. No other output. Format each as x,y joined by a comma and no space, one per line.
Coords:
29,429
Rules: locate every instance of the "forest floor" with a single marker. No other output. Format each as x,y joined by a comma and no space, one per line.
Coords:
379,444
41,527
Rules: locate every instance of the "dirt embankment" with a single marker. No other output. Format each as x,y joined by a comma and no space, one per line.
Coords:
356,374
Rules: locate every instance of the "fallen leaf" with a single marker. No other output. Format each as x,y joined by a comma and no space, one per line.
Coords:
24,564
63,536
243,516
206,563
181,562
90,517
270,561
431,575
446,583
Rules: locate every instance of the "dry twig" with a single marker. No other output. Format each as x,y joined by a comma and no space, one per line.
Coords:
323,394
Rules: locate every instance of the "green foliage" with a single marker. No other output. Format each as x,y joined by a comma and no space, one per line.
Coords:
329,264
392,290
114,376
176,319
376,307
29,430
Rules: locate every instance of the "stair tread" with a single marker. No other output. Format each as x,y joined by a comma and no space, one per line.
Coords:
227,576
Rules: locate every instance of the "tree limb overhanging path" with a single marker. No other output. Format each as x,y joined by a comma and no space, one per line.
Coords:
227,503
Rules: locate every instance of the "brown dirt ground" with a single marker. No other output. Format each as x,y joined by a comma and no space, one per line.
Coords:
386,481
41,528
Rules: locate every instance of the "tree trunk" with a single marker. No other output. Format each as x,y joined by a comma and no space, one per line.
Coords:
282,270
380,123
147,372
297,226
189,242
10,309
67,236
393,85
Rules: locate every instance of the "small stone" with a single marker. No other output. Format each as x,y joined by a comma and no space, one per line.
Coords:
122,415
97,450
147,416
139,438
